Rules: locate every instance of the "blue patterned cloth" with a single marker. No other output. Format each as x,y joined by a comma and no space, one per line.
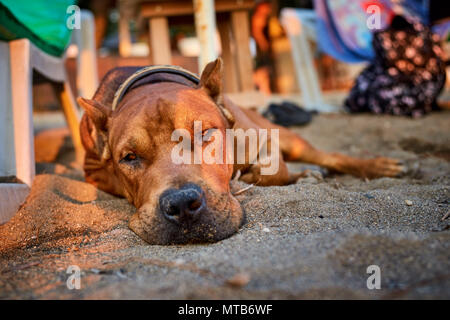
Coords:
342,30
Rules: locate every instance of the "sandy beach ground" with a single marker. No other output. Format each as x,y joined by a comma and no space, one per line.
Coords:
314,239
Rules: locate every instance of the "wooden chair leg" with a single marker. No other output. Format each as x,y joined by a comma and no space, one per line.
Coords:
231,81
124,30
241,34
159,41
72,116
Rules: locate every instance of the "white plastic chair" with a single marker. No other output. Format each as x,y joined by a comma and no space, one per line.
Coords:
18,59
300,27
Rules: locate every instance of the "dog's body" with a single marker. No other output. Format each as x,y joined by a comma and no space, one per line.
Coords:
128,154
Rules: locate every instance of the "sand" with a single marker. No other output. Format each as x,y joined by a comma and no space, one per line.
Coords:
314,239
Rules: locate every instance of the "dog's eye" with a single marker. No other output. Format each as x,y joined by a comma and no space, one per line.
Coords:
130,157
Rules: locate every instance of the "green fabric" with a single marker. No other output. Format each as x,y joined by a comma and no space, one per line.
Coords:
42,22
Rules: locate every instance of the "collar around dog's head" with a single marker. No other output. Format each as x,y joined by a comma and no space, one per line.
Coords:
146,71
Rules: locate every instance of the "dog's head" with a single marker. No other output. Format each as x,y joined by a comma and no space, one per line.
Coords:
130,152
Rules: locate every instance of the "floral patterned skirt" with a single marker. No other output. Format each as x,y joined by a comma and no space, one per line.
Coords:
406,76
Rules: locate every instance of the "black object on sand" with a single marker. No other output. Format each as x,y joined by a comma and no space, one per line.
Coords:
288,114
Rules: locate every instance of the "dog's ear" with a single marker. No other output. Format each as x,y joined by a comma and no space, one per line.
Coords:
95,138
211,82
96,111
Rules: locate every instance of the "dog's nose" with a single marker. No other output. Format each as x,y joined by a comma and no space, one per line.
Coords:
184,204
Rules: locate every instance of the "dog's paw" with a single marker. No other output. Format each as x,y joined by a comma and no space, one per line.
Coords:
383,167
307,176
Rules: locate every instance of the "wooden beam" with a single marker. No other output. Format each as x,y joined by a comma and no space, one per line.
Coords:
159,41
124,31
72,115
241,35
205,28
230,77
186,7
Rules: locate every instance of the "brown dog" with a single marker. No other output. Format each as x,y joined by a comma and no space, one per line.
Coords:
128,153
